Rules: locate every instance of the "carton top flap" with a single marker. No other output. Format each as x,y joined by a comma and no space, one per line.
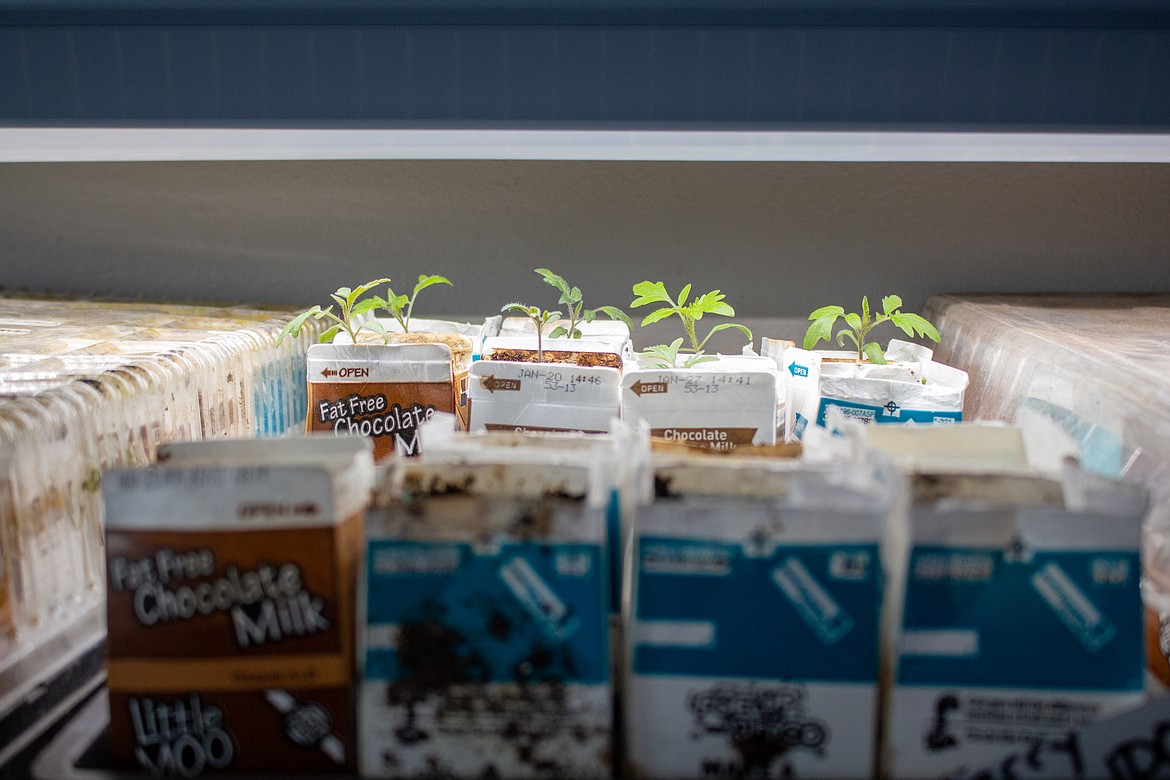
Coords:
724,364
247,496
380,363
610,344
519,478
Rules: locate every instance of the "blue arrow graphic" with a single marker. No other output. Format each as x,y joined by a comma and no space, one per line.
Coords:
797,370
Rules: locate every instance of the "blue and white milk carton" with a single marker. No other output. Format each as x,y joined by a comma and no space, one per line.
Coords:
754,635
910,388
1022,615
484,643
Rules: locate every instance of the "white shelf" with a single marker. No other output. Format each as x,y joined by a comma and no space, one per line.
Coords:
21,144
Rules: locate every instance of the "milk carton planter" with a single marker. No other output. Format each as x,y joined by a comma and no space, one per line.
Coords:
230,607
386,391
1022,617
718,405
754,632
484,624
909,387
362,383
570,385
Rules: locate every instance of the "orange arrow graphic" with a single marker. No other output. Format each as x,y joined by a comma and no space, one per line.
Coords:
641,388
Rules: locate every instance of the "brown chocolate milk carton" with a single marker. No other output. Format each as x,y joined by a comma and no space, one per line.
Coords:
384,391
231,582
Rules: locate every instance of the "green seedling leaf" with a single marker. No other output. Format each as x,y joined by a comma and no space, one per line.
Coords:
860,325
698,358
614,313
425,281
725,326
843,334
574,301
650,292
873,351
914,325
822,328
367,305
364,288
376,326
663,355
298,322
655,316
825,311
554,279
558,331
328,335
689,314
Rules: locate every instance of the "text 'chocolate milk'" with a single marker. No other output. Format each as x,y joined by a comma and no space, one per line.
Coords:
231,583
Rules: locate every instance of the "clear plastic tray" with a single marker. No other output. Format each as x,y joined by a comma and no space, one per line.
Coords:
1097,364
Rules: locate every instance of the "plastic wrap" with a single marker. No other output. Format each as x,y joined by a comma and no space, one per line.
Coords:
87,386
1098,365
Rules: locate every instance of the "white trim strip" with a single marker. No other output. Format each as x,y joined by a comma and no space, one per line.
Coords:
104,144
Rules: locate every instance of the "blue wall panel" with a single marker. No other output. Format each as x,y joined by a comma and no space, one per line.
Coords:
892,64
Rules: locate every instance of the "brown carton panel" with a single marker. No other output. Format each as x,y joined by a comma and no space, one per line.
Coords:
388,412
230,594
301,730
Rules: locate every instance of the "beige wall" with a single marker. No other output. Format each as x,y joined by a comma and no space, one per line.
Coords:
778,238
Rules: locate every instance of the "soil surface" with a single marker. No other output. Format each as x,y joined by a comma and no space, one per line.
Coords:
603,359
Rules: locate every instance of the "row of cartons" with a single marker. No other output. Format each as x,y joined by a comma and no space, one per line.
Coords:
820,616
563,384
88,386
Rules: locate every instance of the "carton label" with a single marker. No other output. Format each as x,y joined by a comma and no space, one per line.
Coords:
711,438
535,429
387,412
183,734
224,644
965,693
889,412
486,661
222,594
543,397
754,659
718,410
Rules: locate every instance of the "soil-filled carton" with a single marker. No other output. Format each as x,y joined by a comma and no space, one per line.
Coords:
476,332
484,623
574,386
231,579
720,405
754,632
386,391
622,456
1022,615
910,387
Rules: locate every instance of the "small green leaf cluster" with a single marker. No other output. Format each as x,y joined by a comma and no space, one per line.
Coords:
573,300
399,306
666,356
540,318
859,326
352,306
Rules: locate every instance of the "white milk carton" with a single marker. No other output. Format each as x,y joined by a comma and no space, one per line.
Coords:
754,630
911,387
1022,615
484,644
574,387
717,405
385,391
